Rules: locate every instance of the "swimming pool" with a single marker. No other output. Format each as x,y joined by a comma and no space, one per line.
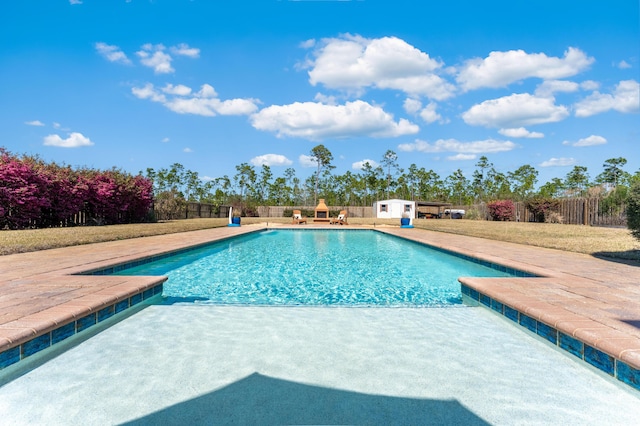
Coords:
317,267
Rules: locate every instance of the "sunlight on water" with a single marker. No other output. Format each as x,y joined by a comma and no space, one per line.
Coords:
319,267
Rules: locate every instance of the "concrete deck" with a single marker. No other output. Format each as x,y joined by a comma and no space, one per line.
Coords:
594,300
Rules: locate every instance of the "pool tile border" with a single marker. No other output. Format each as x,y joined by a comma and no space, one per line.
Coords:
13,355
604,362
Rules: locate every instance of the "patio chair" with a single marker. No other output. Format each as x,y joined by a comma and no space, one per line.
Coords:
298,218
341,219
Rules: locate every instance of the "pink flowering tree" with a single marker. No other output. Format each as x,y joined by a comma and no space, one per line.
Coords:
502,210
22,192
36,194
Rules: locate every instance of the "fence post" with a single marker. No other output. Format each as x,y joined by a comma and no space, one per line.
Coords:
585,212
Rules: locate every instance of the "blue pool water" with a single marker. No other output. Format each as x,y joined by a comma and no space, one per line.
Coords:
316,267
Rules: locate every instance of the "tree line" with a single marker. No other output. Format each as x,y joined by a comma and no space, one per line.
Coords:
252,186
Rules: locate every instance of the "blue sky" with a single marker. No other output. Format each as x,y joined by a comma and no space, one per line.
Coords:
212,84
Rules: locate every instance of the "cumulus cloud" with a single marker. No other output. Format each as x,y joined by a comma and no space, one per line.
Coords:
623,65
154,56
589,141
359,165
307,161
74,140
183,49
558,162
500,69
453,145
317,121
187,150
37,123
520,132
549,87
462,157
271,160
205,102
112,53
354,63
428,113
516,110
625,98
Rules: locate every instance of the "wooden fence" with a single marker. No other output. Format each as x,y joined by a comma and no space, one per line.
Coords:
573,211
576,211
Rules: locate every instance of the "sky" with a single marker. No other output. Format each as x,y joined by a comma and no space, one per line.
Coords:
137,84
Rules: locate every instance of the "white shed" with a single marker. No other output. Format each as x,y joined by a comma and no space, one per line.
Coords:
392,209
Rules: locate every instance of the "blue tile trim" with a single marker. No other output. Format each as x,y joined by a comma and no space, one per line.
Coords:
547,332
571,345
511,313
628,375
105,313
16,354
598,359
36,345
59,334
121,306
528,322
86,322
9,357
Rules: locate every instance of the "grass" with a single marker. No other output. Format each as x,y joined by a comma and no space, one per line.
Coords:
598,241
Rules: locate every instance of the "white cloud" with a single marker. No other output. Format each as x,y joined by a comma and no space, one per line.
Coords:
308,44
589,85
500,69
359,165
625,98
34,123
355,63
74,140
548,88
428,113
183,49
205,102
307,161
180,90
316,121
452,145
558,162
412,106
589,141
462,157
75,1
165,140
112,53
515,111
520,132
271,160
623,65
154,56
187,150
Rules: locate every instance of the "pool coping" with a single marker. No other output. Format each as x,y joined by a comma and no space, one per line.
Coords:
587,307
592,301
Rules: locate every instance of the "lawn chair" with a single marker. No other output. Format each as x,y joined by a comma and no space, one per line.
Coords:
341,219
298,218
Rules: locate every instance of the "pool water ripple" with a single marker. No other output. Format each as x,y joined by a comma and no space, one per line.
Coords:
320,267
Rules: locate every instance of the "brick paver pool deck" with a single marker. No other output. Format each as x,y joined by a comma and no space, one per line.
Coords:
588,299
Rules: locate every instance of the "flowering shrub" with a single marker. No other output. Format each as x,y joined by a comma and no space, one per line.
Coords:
502,210
36,194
